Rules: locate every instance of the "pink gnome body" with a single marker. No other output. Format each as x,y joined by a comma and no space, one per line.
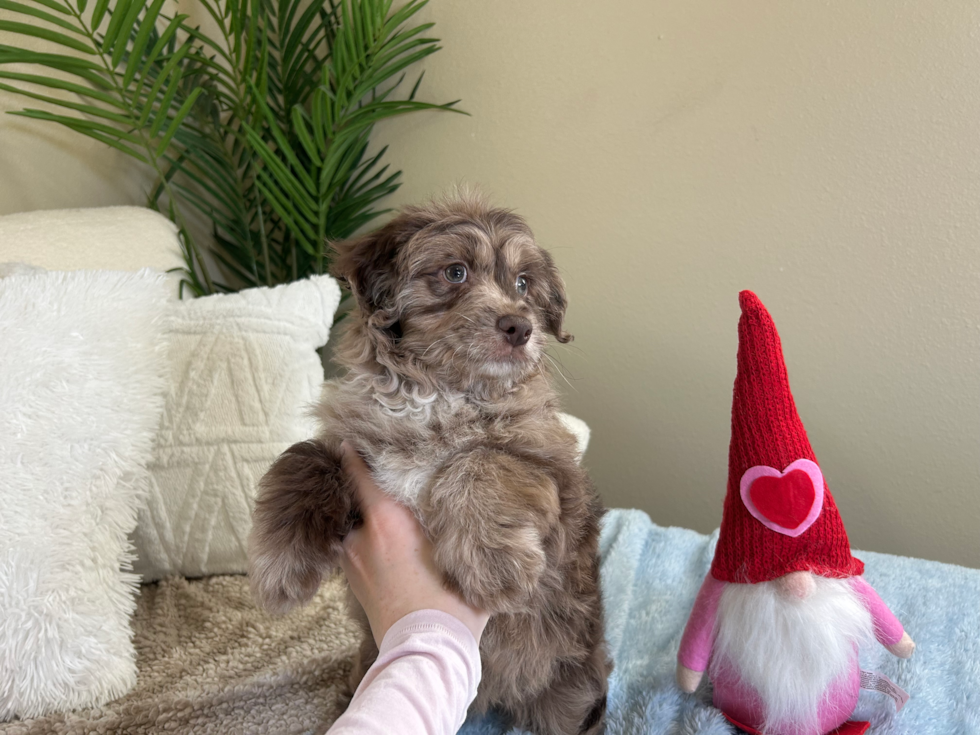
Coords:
739,700
782,613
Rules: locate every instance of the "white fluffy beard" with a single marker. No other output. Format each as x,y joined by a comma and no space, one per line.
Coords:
790,650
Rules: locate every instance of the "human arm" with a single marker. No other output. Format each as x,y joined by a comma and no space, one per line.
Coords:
422,683
428,666
389,561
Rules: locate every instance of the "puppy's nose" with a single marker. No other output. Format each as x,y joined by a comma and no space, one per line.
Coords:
517,329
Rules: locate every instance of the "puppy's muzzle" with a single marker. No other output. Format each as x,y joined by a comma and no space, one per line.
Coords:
516,329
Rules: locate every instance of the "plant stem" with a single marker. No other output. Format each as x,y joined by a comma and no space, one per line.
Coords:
235,51
265,247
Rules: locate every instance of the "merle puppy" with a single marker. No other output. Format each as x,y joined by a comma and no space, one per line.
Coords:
448,398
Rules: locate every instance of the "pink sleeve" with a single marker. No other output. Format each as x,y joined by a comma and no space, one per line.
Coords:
425,678
695,650
888,629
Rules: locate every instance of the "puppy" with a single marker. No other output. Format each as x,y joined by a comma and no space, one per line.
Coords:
448,398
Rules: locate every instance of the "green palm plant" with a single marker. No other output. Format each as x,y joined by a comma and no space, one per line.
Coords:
261,123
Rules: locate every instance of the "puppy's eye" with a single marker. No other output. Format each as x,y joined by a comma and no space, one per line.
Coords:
456,273
521,285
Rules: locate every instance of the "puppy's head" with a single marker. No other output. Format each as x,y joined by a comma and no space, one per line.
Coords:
455,291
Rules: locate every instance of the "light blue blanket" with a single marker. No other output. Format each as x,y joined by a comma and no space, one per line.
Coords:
650,576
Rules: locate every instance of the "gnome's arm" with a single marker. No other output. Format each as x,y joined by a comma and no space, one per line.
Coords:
888,628
695,650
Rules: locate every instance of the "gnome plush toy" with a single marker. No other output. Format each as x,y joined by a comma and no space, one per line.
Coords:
781,614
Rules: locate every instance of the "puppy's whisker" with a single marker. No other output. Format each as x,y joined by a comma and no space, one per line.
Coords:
558,359
452,359
441,339
558,369
572,348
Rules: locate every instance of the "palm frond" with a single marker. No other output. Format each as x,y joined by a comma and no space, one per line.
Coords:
262,127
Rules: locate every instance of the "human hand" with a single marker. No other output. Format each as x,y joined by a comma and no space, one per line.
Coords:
388,560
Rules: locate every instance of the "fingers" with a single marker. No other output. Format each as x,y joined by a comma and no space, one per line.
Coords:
367,490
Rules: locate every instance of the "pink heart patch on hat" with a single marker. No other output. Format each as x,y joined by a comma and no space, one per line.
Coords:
786,502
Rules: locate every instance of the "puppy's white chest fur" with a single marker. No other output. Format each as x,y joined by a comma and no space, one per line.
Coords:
417,446
402,478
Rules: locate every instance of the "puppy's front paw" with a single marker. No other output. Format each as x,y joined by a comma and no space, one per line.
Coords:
280,583
489,515
497,568
302,512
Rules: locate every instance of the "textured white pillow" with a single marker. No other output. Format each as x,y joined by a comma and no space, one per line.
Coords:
244,370
81,394
580,430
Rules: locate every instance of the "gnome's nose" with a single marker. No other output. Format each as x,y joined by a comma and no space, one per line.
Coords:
797,584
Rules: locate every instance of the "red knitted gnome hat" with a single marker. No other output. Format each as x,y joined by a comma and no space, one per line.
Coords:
779,515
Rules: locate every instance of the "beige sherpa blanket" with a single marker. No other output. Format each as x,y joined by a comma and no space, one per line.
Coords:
210,662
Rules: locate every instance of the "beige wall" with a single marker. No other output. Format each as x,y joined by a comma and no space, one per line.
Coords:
48,167
825,155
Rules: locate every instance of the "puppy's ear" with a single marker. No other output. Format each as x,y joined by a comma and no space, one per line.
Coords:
552,301
367,265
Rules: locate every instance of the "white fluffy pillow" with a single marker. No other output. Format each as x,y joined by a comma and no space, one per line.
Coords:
243,370
81,394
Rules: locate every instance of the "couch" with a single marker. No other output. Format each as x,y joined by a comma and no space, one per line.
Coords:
207,661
